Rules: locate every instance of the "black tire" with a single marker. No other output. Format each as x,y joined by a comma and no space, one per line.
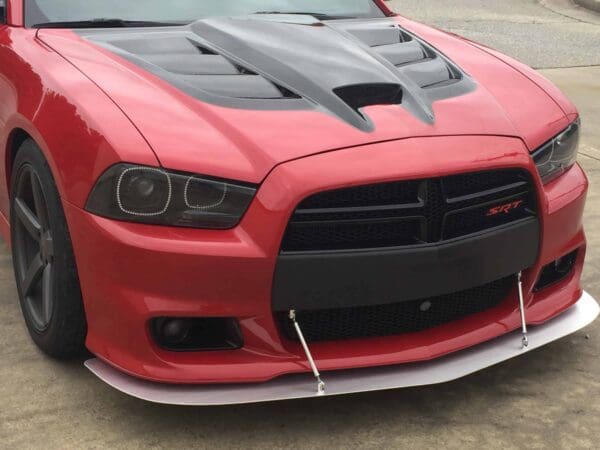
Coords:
45,269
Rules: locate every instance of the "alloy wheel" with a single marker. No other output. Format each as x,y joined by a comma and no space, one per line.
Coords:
34,248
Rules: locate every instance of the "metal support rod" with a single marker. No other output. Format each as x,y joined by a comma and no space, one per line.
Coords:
525,340
313,366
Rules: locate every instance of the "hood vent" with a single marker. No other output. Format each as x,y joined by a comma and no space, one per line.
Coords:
361,95
268,63
413,58
201,68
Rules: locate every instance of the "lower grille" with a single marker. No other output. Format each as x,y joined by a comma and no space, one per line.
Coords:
396,318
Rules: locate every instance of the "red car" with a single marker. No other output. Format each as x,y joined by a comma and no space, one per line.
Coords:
242,201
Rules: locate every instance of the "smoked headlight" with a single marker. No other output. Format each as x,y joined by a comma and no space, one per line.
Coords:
558,155
156,196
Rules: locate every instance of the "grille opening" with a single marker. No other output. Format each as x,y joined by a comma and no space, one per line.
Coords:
348,235
473,219
557,271
412,212
464,185
361,196
397,318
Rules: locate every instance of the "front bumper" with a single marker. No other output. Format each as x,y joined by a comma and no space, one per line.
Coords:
132,273
290,387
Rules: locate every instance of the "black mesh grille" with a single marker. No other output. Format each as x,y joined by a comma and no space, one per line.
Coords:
374,194
396,318
410,212
473,219
341,235
473,183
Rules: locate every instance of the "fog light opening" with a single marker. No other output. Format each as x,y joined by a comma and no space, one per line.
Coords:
562,266
180,334
557,271
175,331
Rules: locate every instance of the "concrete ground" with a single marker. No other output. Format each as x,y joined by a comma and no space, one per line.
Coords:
549,399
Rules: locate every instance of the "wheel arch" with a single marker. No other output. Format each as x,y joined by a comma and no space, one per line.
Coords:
15,139
19,130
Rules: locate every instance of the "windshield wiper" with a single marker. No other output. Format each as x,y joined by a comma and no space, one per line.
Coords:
105,23
316,15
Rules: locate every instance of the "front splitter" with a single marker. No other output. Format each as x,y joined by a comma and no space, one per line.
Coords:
297,386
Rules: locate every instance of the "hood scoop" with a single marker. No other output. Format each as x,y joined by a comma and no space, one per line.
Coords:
280,63
360,95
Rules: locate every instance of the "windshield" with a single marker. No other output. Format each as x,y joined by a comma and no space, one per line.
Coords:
186,11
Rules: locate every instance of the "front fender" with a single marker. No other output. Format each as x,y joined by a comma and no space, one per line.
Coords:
80,130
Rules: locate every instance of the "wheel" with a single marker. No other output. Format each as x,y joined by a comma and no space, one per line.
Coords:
43,259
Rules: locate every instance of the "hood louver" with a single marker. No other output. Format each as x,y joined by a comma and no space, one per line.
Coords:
339,67
202,69
413,58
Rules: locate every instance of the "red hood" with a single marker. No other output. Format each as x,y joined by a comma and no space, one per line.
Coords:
246,143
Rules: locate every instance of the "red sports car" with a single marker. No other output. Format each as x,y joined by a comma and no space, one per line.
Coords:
251,200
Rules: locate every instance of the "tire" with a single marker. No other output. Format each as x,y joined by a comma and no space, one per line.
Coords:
43,259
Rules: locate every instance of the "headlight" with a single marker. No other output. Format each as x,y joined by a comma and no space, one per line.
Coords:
558,155
157,196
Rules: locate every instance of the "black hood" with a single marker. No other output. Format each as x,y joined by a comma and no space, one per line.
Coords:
282,62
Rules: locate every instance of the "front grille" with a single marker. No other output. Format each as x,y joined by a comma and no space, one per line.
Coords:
410,212
396,318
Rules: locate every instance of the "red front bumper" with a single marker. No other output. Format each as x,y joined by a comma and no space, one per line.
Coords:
132,273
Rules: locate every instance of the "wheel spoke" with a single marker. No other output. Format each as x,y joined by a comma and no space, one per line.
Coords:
33,274
38,199
28,219
47,297
49,247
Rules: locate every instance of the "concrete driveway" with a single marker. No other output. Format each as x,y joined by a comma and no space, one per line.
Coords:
549,399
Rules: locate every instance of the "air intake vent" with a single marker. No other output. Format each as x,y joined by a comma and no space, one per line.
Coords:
361,95
396,318
557,271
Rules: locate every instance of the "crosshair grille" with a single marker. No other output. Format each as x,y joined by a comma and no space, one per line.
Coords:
410,212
